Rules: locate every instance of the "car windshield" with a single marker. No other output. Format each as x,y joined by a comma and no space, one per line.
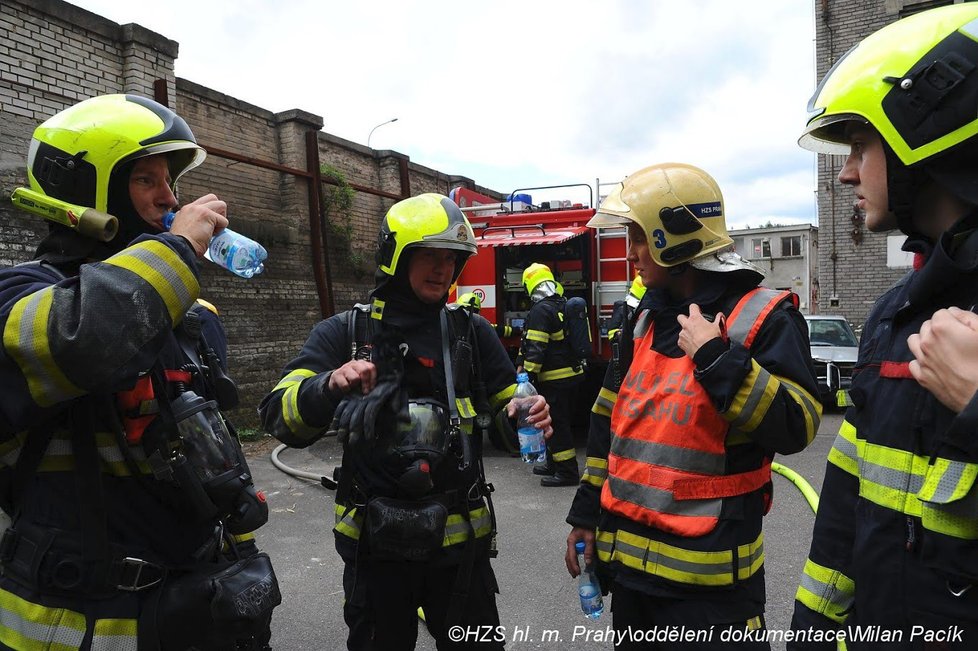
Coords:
831,332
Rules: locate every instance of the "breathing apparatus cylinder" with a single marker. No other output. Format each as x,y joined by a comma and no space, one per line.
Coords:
211,468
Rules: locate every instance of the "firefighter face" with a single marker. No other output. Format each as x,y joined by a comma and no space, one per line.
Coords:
652,275
865,171
430,273
150,191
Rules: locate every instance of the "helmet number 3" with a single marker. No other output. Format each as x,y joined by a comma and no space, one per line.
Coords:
659,236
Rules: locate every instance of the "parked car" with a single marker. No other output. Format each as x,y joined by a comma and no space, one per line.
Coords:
834,349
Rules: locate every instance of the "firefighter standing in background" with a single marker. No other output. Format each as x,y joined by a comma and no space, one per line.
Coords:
547,358
623,311
115,530
472,302
717,380
412,522
895,542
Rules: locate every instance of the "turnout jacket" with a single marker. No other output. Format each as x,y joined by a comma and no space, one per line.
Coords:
70,345
750,403
299,410
544,352
895,541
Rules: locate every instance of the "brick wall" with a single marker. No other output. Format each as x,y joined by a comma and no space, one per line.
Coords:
53,54
853,273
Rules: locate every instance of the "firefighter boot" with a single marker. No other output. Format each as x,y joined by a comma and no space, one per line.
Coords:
546,468
565,474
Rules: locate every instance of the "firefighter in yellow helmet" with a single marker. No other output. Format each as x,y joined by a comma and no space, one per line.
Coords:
624,309
553,369
112,384
472,302
413,521
895,542
715,380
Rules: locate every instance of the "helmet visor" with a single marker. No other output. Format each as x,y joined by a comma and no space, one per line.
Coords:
826,135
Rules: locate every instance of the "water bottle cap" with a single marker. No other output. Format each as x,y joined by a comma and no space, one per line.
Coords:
579,546
168,220
522,377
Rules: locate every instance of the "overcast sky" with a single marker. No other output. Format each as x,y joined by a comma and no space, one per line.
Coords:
529,93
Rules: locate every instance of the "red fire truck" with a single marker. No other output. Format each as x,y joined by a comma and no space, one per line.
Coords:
515,233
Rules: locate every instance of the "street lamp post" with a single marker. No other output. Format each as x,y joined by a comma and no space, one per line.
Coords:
377,127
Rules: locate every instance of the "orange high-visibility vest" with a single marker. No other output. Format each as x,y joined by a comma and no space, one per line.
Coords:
667,463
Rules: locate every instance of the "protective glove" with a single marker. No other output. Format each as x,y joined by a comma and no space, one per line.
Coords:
356,415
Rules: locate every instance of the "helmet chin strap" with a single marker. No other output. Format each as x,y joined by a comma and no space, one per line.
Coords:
903,185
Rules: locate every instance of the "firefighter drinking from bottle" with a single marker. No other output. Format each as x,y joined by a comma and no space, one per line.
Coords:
132,504
717,379
396,381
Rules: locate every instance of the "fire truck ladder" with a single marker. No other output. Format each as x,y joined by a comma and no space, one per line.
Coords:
606,292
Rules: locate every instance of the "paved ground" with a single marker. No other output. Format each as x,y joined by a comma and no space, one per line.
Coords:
538,602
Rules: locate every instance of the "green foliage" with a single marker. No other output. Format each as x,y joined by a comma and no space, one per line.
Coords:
250,433
337,206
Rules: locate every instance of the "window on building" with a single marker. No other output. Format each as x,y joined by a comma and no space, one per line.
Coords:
791,246
760,247
916,6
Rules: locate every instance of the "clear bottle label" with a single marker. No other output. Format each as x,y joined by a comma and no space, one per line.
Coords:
532,444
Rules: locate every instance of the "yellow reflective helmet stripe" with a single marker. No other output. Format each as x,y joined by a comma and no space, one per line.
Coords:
855,87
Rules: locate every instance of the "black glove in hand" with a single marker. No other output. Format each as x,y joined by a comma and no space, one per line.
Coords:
356,415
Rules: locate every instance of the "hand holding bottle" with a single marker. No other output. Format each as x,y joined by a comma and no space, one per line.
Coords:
238,254
198,221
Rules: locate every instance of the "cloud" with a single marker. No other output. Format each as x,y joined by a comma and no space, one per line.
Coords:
515,94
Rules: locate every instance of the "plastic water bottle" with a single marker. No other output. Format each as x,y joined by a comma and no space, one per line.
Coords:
533,447
587,586
240,255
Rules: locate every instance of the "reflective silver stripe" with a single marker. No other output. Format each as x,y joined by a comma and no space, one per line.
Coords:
605,402
678,564
595,471
947,485
26,625
740,328
25,338
844,452
670,456
161,267
115,635
826,591
290,402
751,409
642,324
655,499
899,480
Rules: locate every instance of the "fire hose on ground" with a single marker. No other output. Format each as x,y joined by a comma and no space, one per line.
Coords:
800,482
